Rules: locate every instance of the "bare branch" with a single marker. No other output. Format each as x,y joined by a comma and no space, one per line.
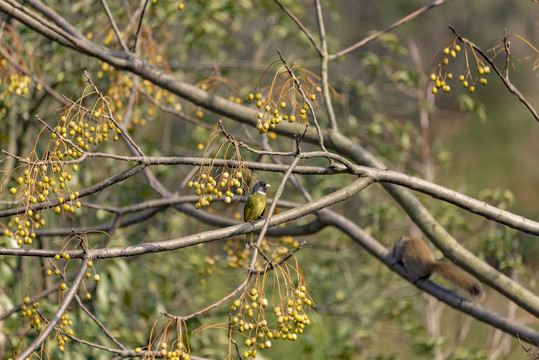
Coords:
114,26
324,68
300,25
404,20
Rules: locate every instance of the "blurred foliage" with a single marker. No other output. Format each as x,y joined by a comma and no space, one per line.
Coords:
363,311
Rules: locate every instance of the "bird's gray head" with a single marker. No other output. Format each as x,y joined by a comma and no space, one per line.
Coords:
260,187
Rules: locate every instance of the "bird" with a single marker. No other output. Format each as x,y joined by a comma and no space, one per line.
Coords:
255,205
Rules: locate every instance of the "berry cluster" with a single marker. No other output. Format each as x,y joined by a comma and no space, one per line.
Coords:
443,75
64,325
248,317
175,352
237,255
207,186
165,345
271,113
17,85
30,311
284,101
40,180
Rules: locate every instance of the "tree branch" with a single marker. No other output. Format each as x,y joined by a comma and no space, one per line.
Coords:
58,314
404,20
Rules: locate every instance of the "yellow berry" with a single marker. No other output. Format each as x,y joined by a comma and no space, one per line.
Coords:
433,77
63,286
446,51
180,7
434,90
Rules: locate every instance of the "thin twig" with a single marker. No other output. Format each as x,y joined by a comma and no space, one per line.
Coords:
300,25
139,27
99,323
506,46
114,26
324,68
404,20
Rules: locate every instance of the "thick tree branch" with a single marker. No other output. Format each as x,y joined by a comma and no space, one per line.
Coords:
203,237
